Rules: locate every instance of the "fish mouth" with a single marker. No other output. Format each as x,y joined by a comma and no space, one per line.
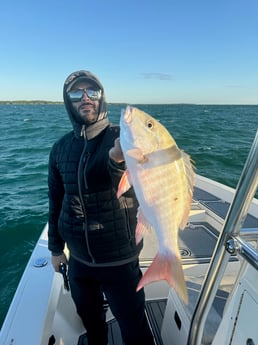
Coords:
128,114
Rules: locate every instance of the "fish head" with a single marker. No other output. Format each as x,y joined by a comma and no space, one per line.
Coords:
141,131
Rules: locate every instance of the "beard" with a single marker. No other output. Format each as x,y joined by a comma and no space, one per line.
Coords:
87,113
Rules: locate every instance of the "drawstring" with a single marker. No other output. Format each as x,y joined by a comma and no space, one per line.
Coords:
83,132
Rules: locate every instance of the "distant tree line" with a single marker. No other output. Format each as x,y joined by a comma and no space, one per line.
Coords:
30,102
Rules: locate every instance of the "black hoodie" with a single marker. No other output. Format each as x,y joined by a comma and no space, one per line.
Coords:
84,212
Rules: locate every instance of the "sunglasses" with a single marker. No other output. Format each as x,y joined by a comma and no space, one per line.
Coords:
76,95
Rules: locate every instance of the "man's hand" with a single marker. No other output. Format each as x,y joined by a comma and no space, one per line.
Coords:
116,153
56,261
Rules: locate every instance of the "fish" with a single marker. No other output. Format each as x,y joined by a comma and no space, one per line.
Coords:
162,176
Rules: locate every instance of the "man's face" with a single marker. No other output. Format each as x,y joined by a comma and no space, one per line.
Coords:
86,109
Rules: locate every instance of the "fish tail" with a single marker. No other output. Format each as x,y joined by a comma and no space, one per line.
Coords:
166,267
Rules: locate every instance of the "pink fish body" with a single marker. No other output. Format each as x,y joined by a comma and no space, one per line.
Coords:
162,177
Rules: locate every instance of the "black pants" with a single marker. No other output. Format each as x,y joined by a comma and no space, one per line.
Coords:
119,285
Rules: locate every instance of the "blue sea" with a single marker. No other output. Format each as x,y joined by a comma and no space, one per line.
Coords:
217,137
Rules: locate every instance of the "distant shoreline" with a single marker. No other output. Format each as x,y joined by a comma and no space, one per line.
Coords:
31,102
20,102
37,102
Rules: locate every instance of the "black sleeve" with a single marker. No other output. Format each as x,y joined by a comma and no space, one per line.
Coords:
55,194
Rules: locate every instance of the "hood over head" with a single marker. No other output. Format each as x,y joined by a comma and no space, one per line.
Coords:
102,120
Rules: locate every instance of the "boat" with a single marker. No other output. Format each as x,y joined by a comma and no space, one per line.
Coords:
220,260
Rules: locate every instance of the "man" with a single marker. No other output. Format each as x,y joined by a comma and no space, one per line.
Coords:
85,167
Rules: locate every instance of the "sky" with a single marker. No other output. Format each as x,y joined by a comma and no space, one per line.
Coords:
165,51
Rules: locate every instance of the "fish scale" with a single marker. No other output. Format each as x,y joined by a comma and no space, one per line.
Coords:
154,182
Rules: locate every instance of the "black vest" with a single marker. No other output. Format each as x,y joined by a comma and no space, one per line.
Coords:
98,228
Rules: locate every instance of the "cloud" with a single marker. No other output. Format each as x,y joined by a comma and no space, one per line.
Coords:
234,86
155,75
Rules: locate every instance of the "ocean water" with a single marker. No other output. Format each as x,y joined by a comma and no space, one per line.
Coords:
217,137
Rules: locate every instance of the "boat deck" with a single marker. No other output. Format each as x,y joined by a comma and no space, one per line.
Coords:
196,232
199,230
155,312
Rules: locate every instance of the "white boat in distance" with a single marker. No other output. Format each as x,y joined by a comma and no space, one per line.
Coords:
220,262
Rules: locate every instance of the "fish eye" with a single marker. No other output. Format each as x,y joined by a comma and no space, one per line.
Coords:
150,124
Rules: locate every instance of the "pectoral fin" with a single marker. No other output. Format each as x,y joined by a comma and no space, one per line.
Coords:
137,155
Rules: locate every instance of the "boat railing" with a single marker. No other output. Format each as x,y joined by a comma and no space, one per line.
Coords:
229,241
249,234
246,250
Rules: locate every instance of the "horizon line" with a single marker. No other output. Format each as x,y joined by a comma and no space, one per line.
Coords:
175,103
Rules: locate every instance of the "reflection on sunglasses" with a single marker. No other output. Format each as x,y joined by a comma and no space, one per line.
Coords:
76,95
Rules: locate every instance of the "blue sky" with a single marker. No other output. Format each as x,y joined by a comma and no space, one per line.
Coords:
166,51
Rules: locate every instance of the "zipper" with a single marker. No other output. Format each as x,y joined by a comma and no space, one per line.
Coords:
81,167
127,221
